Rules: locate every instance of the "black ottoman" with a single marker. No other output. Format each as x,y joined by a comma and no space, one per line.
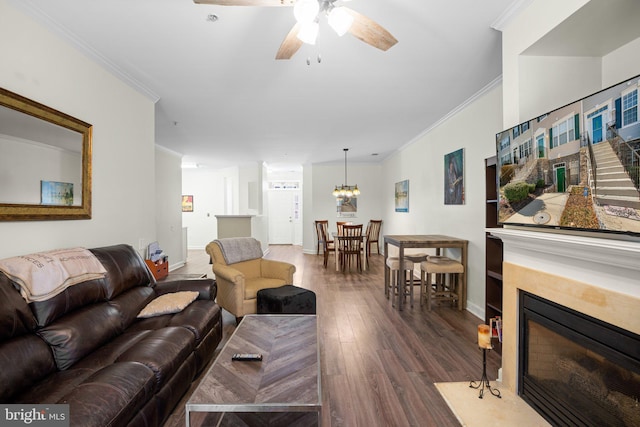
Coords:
287,299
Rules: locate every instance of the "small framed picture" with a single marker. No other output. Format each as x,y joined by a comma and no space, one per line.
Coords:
454,178
402,196
56,193
187,203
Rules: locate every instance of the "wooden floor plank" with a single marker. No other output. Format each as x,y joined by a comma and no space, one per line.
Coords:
379,365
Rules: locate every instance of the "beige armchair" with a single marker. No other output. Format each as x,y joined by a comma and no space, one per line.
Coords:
241,272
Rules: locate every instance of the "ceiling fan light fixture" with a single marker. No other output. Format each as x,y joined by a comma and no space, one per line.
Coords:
340,20
306,10
309,32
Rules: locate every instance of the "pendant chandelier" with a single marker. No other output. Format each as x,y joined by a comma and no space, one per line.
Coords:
345,190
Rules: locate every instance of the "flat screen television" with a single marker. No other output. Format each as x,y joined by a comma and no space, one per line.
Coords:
576,167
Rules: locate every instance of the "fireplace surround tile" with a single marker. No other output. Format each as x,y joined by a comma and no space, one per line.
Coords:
597,277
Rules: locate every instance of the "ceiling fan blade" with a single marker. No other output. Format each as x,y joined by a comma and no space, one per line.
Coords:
290,44
247,2
370,31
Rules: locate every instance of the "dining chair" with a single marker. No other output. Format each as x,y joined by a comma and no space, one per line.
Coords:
340,224
317,225
351,246
327,244
372,235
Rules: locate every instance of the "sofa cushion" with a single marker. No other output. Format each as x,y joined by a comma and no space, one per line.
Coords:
131,302
111,396
55,386
24,361
77,334
125,269
163,351
80,295
168,304
199,317
15,316
109,352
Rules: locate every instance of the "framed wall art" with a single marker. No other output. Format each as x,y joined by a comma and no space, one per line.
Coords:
187,203
347,207
56,193
454,178
402,196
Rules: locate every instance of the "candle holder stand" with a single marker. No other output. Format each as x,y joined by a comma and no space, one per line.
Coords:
484,381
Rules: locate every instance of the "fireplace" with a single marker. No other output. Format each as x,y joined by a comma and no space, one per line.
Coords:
598,278
577,370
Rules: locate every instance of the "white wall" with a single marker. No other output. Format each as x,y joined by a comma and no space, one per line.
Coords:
168,187
250,189
536,84
621,64
535,21
39,65
321,179
24,163
422,163
541,90
207,188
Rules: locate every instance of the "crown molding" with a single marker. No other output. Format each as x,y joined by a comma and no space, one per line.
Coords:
495,82
33,11
509,14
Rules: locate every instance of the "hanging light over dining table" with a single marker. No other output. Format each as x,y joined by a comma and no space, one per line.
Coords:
345,190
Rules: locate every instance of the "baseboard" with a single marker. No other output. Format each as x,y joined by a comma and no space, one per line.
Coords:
176,265
476,310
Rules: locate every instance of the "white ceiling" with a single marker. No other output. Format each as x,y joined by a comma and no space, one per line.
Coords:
222,98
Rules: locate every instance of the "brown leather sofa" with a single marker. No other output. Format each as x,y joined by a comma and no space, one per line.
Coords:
86,348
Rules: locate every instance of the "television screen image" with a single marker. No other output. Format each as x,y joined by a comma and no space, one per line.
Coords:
576,167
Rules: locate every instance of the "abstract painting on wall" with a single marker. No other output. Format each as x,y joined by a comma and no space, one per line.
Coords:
454,178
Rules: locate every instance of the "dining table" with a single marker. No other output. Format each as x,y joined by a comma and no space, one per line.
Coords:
337,237
437,241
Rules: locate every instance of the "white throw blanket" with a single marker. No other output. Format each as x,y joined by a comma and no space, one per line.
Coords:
44,275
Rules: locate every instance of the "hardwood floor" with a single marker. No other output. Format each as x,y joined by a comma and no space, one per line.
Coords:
379,365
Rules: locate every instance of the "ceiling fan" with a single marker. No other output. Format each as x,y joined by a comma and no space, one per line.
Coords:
307,14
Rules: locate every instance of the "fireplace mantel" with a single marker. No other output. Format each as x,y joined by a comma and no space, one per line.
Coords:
607,263
599,277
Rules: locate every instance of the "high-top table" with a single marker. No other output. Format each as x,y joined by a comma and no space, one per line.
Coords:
285,386
424,241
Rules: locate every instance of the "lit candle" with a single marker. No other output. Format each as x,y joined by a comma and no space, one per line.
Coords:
484,336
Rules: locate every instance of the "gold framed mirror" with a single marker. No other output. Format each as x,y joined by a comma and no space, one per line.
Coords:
45,162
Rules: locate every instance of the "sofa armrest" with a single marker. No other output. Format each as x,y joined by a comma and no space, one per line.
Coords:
228,273
230,288
206,288
277,270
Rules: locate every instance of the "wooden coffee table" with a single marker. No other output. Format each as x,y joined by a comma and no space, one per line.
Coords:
283,389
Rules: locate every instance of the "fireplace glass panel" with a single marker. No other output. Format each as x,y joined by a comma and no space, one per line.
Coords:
575,369
593,389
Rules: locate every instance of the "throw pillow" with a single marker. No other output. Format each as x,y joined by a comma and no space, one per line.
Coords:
168,303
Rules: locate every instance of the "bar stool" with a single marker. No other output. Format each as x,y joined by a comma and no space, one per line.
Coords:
447,280
394,265
416,258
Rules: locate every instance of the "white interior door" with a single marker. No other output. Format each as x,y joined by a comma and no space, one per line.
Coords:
284,215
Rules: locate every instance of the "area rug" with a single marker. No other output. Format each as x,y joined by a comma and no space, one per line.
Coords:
508,411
